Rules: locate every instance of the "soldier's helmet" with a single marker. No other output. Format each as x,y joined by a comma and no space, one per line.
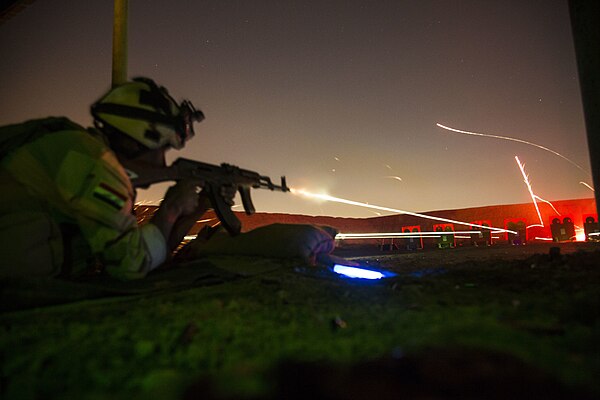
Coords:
147,113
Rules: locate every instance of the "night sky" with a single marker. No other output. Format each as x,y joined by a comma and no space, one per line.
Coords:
340,96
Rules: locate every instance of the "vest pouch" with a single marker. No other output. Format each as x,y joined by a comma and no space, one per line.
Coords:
39,254
30,239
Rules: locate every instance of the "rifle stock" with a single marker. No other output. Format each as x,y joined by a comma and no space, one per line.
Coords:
214,177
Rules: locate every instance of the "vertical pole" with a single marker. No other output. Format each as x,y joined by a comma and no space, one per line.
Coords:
585,24
119,61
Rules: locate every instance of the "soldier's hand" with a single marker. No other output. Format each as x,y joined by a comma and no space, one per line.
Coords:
228,193
182,199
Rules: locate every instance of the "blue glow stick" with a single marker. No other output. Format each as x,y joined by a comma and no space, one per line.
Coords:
355,272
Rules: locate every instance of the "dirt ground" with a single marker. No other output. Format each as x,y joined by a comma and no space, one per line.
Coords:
494,322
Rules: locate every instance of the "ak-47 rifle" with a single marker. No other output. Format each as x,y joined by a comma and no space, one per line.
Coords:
214,177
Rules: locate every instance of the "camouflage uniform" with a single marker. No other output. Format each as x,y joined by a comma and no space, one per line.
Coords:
66,204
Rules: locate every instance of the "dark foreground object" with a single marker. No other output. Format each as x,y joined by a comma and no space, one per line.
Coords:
439,373
502,322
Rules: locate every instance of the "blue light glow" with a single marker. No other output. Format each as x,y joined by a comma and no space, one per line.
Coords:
354,272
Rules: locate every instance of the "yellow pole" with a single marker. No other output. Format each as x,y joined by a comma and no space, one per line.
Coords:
119,61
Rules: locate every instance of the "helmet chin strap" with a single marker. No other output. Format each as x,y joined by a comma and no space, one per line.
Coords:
146,162
155,157
149,157
127,148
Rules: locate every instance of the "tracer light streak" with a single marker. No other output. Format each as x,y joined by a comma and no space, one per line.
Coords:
327,197
533,196
392,235
515,140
